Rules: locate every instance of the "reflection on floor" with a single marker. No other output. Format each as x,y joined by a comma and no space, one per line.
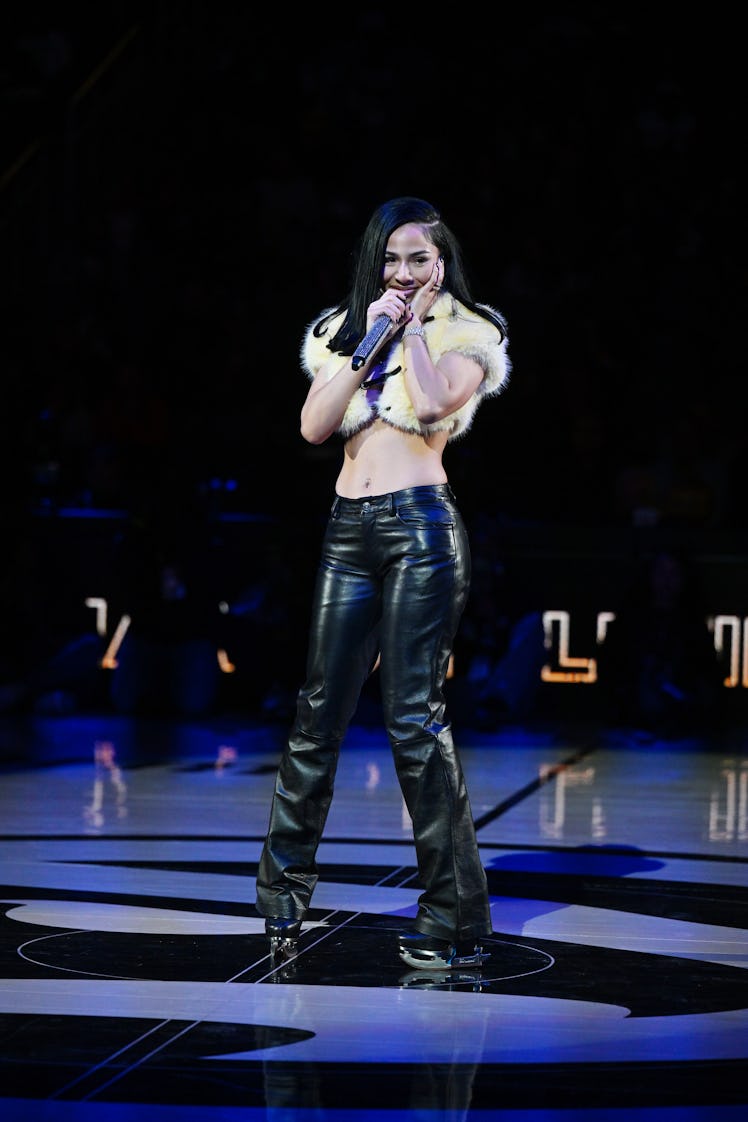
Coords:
136,980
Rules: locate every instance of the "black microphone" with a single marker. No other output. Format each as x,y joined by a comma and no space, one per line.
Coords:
371,338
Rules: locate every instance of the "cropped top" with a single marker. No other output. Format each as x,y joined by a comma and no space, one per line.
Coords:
450,326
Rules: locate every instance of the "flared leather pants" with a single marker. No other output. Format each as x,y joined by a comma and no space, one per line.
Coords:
393,580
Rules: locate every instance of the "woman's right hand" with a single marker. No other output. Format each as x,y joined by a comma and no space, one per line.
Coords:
391,304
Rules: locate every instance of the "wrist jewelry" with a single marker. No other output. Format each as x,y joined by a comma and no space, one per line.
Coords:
414,331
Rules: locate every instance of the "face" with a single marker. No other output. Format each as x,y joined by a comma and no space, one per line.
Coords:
409,259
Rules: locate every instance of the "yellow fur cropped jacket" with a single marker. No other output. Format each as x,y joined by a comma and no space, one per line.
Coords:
450,327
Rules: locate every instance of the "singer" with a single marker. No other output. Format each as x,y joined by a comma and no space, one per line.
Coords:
394,573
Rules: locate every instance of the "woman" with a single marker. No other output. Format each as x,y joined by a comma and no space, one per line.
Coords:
394,572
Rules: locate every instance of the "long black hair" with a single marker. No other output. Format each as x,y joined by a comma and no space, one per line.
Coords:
368,266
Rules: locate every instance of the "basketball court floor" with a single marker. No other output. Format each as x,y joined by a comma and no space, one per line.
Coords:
136,978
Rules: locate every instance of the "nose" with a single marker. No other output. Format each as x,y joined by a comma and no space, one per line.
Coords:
403,271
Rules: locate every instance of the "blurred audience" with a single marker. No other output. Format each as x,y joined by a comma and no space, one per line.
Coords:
658,668
265,629
500,648
137,320
156,265
50,653
168,661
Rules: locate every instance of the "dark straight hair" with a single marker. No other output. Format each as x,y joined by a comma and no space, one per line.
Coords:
368,268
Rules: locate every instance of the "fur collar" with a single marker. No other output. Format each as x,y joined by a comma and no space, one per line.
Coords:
450,327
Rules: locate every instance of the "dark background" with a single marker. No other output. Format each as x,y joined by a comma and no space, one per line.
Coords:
182,186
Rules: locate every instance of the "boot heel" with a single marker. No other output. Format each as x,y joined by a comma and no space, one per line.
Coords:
284,938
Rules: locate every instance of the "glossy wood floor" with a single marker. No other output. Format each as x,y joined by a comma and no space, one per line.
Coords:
136,981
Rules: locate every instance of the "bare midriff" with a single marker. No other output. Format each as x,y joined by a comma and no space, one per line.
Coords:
382,459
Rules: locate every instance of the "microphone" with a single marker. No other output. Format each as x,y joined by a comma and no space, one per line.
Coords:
370,340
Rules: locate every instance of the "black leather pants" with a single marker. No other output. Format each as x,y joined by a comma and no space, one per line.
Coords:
393,580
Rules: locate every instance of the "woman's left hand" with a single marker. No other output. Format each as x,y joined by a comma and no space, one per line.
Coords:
425,296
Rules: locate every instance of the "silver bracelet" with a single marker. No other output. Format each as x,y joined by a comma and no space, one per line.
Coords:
414,331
